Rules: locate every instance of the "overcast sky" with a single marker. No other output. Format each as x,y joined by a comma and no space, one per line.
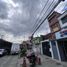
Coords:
18,17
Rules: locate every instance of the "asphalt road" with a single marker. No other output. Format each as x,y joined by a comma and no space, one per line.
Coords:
12,61
9,61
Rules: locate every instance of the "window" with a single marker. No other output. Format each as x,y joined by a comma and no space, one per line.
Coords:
64,19
55,27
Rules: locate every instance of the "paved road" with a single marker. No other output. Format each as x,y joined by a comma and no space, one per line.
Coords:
9,61
12,61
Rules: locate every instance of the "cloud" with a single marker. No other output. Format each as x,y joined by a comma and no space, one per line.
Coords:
21,15
43,30
17,17
3,10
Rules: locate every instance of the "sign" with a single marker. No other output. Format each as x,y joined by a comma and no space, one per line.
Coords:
61,34
65,8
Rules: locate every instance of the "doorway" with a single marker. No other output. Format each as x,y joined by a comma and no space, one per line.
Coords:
54,49
62,45
46,48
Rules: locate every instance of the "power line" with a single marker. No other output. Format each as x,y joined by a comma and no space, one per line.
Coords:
44,14
45,18
40,15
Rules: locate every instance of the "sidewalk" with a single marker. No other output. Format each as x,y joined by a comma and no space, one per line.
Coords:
48,62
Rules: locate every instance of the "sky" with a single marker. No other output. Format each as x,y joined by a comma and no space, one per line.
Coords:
18,18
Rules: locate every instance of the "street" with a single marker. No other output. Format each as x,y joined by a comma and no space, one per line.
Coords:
8,61
12,61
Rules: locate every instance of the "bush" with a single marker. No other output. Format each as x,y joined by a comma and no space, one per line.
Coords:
23,52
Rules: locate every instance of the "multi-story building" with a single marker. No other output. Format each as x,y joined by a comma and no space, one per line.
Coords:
56,47
54,26
49,44
63,24
61,37
53,22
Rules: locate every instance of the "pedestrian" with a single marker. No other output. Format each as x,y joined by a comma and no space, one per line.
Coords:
37,53
32,60
28,53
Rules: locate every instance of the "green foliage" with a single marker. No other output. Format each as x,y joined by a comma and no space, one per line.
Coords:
36,40
23,52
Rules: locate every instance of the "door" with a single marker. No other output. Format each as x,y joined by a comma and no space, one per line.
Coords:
46,48
54,49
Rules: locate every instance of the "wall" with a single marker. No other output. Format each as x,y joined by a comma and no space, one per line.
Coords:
60,21
53,22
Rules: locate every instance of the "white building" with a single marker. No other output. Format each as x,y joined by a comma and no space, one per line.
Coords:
61,37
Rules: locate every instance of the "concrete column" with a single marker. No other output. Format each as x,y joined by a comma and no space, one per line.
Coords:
51,50
41,48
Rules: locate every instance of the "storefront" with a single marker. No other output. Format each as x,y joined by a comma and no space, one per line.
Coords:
46,48
49,48
61,37
54,50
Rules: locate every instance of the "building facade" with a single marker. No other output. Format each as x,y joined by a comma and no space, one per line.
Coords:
53,22
50,46
56,47
61,37
49,36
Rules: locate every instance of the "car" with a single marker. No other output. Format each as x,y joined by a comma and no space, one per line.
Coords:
2,52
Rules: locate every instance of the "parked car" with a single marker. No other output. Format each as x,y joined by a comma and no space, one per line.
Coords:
3,52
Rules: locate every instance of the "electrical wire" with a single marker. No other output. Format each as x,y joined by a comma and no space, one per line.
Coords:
44,13
40,15
44,18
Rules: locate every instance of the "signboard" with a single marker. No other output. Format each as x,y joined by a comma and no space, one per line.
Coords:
65,8
61,34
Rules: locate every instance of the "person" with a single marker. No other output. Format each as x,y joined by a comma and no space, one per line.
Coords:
37,53
28,53
32,60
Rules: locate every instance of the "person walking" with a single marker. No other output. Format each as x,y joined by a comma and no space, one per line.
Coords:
32,60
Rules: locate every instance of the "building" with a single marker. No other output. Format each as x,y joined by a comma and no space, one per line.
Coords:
49,36
61,37
54,25
53,22
49,44
5,45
